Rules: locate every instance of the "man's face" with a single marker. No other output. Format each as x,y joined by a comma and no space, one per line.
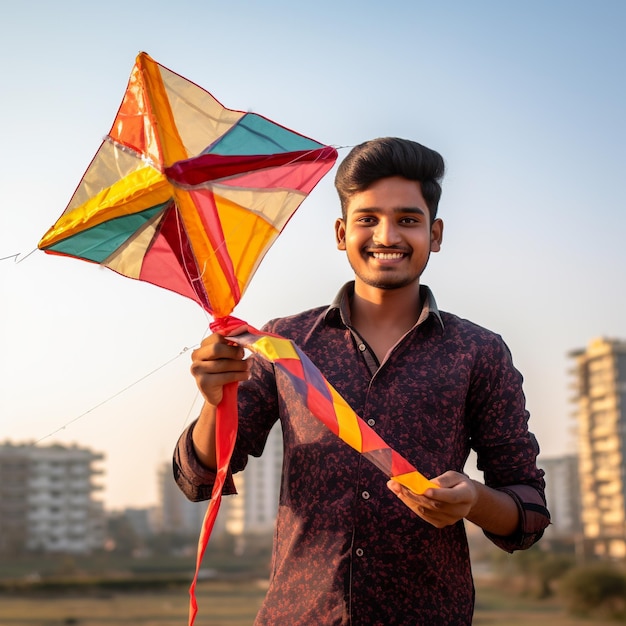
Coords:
387,234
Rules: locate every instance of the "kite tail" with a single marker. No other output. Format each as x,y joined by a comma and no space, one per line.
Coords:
225,436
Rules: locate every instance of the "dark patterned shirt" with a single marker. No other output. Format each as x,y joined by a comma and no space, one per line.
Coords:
347,551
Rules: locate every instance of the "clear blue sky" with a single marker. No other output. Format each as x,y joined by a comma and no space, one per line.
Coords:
525,100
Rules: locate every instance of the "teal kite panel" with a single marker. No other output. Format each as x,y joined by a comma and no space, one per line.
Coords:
99,242
254,134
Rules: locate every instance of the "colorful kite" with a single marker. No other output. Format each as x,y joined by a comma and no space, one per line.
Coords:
186,194
189,195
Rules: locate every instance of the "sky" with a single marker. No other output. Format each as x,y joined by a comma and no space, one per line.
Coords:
525,101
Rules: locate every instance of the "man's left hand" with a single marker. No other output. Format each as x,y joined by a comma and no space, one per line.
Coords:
453,501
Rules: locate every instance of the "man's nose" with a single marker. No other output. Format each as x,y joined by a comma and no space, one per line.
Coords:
386,233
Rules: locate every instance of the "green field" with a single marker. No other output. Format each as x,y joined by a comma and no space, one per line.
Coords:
231,603
105,589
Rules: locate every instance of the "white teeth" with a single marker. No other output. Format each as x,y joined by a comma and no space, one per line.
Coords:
387,255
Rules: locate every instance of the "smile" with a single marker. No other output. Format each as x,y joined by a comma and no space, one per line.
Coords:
388,256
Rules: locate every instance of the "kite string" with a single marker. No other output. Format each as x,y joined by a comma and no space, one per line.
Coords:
16,257
197,394
119,393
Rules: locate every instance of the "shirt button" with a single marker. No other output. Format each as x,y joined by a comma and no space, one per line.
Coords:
371,421
359,551
365,495
362,347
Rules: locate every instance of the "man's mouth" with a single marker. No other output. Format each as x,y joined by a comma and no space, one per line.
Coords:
388,256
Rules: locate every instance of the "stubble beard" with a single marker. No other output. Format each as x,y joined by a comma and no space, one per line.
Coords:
387,283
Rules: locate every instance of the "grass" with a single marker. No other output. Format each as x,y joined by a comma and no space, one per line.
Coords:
103,590
497,605
220,604
106,589
234,603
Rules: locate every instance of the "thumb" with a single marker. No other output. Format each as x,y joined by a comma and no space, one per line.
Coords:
449,479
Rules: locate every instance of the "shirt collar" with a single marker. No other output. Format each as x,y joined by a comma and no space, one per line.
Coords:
339,310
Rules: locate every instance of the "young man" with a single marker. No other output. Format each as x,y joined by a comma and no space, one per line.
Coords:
350,547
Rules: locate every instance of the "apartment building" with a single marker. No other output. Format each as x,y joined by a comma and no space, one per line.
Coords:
563,496
250,513
261,486
599,383
47,499
176,514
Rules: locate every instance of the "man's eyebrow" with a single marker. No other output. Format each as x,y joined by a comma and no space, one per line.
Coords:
409,209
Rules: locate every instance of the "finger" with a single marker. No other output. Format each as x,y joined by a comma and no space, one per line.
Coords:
213,381
218,350
435,498
216,339
413,501
450,479
394,486
203,367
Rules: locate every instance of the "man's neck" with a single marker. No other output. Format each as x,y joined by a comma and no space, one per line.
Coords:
383,316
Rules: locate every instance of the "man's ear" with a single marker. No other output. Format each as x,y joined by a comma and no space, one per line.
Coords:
436,235
340,233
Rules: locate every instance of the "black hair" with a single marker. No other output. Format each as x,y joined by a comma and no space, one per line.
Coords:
390,156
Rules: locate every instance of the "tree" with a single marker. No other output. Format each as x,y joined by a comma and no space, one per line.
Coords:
596,589
539,569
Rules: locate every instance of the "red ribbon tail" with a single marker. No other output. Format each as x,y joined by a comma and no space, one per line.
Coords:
225,436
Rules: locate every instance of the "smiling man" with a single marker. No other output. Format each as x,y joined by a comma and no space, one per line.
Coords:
349,548
390,234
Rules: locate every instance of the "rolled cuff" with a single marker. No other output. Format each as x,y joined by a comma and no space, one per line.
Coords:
193,478
534,519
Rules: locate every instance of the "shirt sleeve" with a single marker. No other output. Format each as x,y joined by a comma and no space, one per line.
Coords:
534,518
193,478
506,450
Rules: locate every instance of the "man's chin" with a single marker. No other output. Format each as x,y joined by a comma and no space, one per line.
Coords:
389,283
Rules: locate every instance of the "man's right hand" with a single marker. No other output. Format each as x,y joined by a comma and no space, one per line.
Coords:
216,363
